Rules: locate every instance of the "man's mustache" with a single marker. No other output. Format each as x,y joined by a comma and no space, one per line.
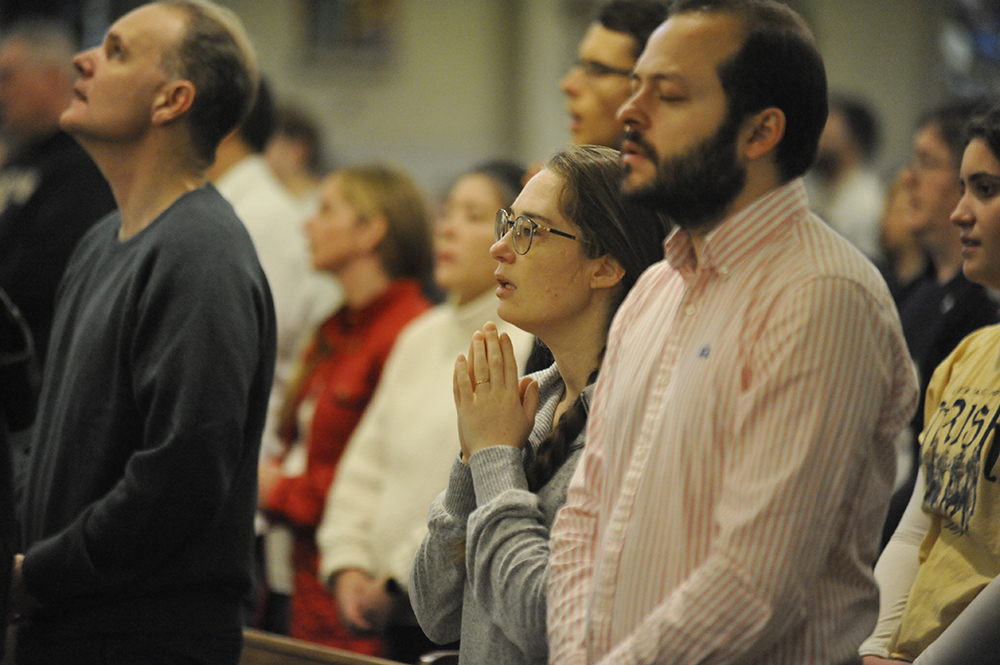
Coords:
633,135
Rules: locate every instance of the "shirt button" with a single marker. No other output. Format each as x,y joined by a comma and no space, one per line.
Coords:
724,271
690,309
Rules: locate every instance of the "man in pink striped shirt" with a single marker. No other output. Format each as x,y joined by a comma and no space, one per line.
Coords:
740,456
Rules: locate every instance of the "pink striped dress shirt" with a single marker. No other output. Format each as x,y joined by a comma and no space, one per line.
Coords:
739,458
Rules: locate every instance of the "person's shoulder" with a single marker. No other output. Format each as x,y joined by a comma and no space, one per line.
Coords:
985,340
429,322
406,300
201,221
99,237
259,197
821,252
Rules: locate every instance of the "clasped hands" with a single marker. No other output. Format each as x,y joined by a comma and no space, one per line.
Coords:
362,600
495,408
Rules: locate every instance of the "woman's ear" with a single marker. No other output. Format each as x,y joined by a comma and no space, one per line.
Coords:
371,232
607,273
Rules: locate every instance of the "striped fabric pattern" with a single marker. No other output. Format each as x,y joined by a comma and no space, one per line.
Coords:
740,456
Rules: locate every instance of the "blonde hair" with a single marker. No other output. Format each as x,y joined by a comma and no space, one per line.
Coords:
374,190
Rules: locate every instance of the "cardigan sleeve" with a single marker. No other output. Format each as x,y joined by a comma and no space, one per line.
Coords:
437,578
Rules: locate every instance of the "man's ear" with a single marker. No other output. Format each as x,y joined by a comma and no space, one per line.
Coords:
762,132
607,273
173,101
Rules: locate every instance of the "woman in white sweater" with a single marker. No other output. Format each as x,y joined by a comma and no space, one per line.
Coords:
400,454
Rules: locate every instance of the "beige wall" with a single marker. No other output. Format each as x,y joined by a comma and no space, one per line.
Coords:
886,51
472,79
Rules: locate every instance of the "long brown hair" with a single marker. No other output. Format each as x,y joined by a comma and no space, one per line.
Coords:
591,198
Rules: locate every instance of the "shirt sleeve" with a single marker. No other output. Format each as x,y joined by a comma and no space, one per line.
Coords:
809,460
895,571
201,339
437,578
508,548
344,533
299,500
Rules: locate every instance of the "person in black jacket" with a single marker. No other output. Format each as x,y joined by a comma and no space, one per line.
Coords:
18,392
50,189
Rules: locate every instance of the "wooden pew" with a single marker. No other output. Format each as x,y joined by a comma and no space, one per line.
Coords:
261,648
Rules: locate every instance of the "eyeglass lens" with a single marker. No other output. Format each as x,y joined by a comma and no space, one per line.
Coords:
522,231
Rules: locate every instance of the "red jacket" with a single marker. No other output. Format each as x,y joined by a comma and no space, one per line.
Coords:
347,360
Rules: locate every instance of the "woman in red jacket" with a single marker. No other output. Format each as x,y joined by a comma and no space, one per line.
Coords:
371,232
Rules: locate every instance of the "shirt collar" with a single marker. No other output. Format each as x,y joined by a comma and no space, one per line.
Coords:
741,234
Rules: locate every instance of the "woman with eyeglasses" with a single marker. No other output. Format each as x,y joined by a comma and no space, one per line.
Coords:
568,251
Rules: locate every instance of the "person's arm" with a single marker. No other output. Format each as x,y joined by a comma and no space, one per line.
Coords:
343,536
203,334
895,571
437,578
809,459
299,500
508,547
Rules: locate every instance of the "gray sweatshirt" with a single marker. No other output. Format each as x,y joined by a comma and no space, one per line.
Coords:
494,599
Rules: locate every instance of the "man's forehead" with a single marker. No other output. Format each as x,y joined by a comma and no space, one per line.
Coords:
691,44
154,23
600,43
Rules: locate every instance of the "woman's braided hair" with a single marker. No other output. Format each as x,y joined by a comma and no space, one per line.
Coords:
609,224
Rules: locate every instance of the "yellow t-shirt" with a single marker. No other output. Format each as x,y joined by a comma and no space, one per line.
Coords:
959,450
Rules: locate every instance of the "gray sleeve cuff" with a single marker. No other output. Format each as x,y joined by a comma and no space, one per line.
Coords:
460,499
495,470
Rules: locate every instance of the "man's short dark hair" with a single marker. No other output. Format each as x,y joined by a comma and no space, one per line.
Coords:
860,121
297,125
216,56
952,120
258,127
635,18
779,66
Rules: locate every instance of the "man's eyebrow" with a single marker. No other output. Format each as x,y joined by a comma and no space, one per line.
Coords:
658,77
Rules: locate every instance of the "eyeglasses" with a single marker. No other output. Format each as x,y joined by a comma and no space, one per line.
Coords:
596,69
924,163
525,229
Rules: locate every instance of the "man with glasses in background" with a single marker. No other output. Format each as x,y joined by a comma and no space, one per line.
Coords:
598,83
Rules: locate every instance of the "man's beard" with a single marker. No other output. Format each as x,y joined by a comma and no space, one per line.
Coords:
693,189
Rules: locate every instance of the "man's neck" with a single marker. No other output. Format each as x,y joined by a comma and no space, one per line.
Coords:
145,180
